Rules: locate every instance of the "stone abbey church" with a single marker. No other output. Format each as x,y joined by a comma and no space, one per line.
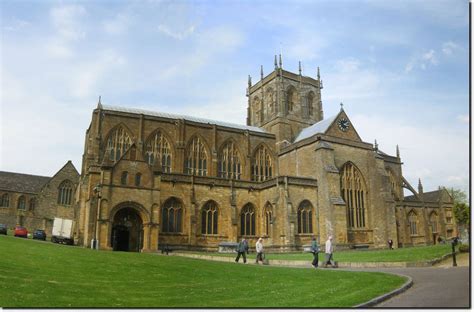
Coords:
152,179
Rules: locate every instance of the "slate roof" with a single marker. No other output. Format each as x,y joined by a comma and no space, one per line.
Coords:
432,196
22,183
185,117
319,127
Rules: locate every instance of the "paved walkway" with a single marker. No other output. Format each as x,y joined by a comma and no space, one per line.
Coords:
441,286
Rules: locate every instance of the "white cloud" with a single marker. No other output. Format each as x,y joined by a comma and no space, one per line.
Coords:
422,61
450,47
118,25
66,20
430,57
15,24
179,35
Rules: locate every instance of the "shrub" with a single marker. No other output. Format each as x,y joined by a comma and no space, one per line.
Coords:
463,248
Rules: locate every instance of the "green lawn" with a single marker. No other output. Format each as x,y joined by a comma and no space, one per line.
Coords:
37,274
409,254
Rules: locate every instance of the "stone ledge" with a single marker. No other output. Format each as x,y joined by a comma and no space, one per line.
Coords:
388,295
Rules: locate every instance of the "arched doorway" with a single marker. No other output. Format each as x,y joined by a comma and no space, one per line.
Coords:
127,230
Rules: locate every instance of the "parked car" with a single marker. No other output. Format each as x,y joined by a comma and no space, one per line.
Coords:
3,229
39,234
20,231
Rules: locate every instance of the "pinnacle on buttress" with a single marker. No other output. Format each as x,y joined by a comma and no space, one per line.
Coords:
398,152
276,64
376,145
281,63
250,81
420,187
319,76
299,67
261,72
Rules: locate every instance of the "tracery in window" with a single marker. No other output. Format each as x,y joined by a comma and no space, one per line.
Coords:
262,168
267,217
412,222
229,165
65,193
171,216
118,143
209,218
291,99
354,193
305,218
247,220
196,158
158,149
270,101
309,103
5,200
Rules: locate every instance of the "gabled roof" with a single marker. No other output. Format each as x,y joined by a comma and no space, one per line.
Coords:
433,196
22,183
319,127
185,117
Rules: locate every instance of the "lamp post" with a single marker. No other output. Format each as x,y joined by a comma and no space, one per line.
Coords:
95,240
453,245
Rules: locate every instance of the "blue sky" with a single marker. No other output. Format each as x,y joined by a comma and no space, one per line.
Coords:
399,67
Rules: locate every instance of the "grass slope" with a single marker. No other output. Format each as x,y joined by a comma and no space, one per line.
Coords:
37,274
411,254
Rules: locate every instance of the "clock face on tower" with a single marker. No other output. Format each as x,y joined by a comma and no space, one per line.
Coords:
343,124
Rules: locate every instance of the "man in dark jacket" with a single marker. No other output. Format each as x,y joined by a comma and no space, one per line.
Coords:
241,250
315,251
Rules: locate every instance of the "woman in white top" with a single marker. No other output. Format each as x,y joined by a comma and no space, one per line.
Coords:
259,249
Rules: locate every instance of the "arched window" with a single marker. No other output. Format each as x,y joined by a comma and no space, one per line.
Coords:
305,218
65,193
229,162
434,222
124,178
291,99
412,222
262,168
32,204
5,200
209,218
354,193
172,215
247,220
309,103
138,179
21,203
267,217
118,143
158,149
196,158
270,101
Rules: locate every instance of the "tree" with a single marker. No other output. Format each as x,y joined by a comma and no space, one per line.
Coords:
461,208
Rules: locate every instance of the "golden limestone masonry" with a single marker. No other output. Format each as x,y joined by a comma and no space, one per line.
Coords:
151,180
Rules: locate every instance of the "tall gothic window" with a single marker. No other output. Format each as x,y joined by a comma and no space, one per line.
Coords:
158,150
196,158
267,219
32,204
305,218
354,194
247,220
412,222
172,215
124,178
118,143
65,193
5,200
434,222
291,99
262,165
309,103
21,203
209,218
229,162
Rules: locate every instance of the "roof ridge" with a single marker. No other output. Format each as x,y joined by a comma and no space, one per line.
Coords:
25,174
180,116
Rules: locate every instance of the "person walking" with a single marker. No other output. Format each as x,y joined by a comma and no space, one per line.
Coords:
259,250
315,251
241,249
246,245
329,251
390,244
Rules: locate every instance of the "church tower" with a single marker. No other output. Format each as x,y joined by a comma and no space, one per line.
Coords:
284,103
